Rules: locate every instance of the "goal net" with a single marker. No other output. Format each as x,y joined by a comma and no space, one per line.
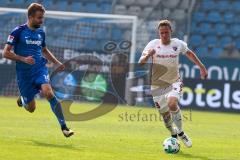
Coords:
96,48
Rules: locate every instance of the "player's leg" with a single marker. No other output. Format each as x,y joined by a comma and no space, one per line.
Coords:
177,119
161,106
41,80
27,92
29,106
175,111
56,108
172,102
168,121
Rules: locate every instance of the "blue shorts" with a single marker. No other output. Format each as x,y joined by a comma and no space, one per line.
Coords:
29,83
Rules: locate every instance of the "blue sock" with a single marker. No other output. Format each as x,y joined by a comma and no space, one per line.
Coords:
57,110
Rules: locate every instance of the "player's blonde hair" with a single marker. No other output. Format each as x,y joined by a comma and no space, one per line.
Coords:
34,7
165,22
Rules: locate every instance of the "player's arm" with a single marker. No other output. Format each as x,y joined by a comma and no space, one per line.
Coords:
145,56
192,56
47,54
7,53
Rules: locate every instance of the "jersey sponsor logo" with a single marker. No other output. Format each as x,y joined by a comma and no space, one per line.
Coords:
29,41
46,77
167,56
10,39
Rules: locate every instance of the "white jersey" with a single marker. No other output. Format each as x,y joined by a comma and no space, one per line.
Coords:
165,61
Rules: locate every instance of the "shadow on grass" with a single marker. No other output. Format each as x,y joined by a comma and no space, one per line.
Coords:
53,145
188,156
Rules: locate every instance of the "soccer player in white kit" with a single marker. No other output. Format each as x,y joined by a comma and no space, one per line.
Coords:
166,84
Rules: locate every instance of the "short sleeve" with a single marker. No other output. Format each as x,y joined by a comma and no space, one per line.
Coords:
43,42
14,36
184,47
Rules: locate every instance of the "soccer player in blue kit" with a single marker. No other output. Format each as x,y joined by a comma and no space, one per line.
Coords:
30,54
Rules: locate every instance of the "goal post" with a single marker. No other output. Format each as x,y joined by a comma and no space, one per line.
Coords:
73,34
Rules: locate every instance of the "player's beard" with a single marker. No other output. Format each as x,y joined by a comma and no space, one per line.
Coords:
36,26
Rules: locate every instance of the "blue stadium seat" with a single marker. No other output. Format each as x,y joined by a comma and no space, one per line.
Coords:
76,7
105,8
214,17
195,27
104,1
207,5
47,4
117,34
18,2
216,52
90,7
202,51
229,17
199,16
85,31
3,3
220,29
222,5
236,6
211,41
62,5
180,35
196,40
81,43
28,2
238,44
102,33
205,28
235,30
92,44
226,40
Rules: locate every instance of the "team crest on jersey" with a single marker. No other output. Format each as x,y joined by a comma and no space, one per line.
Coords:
10,39
174,48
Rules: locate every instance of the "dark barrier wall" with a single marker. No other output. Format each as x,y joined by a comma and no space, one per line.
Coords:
218,69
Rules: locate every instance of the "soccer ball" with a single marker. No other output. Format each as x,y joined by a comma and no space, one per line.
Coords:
171,145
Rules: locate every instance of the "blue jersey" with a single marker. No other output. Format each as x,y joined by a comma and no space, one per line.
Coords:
28,42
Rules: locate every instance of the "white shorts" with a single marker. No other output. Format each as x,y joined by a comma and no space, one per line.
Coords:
160,101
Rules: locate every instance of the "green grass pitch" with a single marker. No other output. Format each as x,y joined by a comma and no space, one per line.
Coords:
116,135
